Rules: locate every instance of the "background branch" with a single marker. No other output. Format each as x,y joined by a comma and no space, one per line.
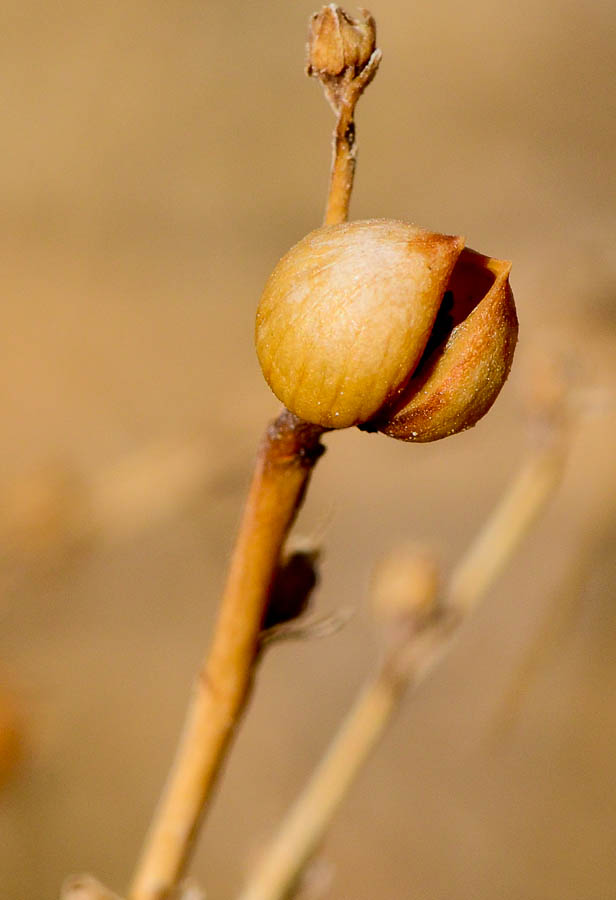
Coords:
422,631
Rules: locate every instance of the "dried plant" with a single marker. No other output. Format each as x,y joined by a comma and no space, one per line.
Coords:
395,329
379,324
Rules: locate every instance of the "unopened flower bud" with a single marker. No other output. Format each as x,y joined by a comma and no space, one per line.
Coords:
338,43
389,326
406,584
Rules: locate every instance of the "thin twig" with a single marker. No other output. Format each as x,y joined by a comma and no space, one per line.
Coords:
300,833
85,887
49,512
343,55
512,519
302,830
344,147
288,454
11,735
550,416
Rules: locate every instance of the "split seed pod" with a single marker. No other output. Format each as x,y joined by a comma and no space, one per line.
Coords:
388,326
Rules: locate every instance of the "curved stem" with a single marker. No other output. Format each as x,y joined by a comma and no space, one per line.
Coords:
289,451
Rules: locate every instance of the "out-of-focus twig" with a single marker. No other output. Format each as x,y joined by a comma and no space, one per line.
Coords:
563,612
50,511
421,631
513,518
11,735
149,486
302,830
549,418
342,54
288,454
85,887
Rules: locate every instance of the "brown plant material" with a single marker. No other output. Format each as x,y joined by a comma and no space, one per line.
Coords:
405,584
277,876
293,584
468,358
338,44
335,356
49,512
387,325
43,513
549,420
422,623
11,735
342,54
288,453
85,887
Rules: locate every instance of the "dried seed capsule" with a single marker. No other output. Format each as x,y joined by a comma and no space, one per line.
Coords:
354,310
337,42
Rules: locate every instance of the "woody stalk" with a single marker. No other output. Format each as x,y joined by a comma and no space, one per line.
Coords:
378,324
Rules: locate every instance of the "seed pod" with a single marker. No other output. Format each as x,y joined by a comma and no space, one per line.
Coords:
353,311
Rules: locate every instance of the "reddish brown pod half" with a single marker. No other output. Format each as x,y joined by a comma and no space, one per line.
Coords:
389,326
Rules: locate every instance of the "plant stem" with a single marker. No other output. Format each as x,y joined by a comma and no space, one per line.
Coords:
526,497
408,662
289,451
288,454
343,166
302,829
84,887
343,101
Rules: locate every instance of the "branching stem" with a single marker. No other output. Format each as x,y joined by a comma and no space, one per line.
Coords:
289,452
408,662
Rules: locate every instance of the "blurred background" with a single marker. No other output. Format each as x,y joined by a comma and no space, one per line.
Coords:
157,159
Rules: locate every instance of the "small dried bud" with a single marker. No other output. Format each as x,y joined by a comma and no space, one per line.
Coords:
338,43
406,584
387,325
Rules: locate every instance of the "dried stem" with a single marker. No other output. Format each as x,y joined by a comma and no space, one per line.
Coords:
289,451
345,149
48,513
343,55
343,168
302,830
408,662
84,887
533,486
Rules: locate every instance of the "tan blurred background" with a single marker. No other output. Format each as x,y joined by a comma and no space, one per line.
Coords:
157,158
